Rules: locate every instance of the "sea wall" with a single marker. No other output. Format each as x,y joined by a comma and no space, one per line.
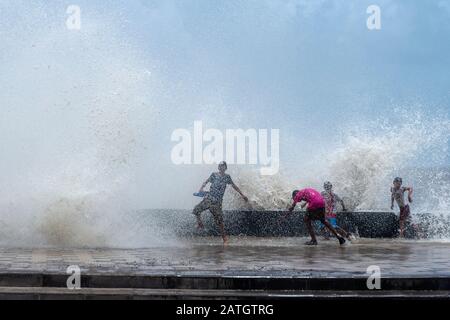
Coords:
270,223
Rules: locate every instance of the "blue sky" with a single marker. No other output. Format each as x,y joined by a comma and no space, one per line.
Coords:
306,66
287,53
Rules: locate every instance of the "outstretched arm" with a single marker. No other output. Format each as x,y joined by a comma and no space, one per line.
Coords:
410,194
298,198
235,187
339,200
291,208
205,184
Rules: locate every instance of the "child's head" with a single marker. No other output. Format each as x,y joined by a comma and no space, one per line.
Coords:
223,167
398,182
328,186
294,193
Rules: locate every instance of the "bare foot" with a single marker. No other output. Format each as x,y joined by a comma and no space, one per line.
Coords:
225,241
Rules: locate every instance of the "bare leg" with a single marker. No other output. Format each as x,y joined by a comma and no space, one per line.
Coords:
219,222
310,228
402,228
333,231
342,232
224,236
218,217
404,218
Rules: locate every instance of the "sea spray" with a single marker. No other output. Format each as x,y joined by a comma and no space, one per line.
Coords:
363,167
77,112
75,115
264,192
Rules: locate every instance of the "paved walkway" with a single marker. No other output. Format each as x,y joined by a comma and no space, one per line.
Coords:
244,256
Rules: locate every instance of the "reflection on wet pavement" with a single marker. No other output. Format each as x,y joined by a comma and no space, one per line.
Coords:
246,256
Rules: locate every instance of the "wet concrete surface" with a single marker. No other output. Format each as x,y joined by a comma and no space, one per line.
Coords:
244,256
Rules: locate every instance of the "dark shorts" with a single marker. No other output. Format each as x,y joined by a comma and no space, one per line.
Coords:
405,213
316,214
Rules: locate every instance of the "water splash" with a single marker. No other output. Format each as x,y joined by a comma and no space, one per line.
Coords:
75,118
73,121
264,192
363,165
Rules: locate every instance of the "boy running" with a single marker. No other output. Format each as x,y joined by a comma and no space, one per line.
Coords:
315,211
214,198
398,195
331,201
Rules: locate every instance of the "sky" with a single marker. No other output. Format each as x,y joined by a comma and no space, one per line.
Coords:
287,64
309,68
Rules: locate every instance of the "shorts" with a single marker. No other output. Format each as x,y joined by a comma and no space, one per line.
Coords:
405,213
333,221
316,214
214,207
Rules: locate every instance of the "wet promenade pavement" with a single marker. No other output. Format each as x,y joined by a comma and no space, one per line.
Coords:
242,257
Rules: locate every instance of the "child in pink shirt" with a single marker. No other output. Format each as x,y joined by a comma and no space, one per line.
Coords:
315,211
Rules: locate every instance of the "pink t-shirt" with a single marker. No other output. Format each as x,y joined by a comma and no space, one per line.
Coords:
312,197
